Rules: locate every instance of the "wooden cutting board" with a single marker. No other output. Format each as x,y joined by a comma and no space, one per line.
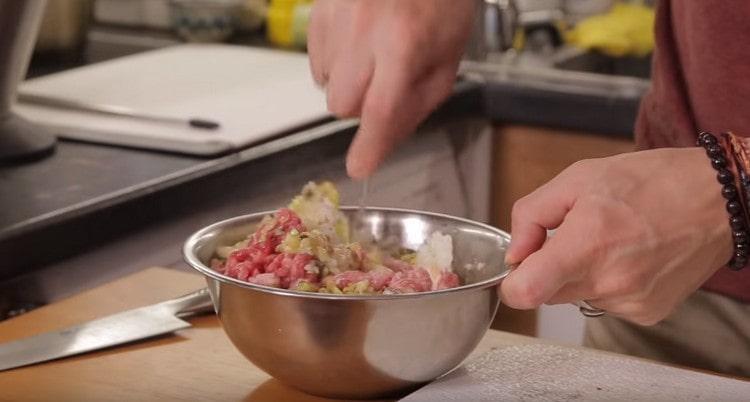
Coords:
195,364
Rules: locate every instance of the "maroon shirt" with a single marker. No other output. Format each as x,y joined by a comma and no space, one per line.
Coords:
700,82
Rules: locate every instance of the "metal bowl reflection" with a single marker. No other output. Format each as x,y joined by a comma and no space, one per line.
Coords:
344,346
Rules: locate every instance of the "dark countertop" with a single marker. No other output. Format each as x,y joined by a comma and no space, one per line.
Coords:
510,103
84,199
87,194
76,174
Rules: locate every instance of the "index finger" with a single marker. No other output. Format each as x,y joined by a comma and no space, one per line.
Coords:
386,117
543,273
543,209
316,42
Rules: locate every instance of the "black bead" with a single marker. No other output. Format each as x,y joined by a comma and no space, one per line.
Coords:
737,263
725,176
706,138
734,207
737,223
729,191
714,151
719,163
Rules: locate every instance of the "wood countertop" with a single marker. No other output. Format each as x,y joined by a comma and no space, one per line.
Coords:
195,364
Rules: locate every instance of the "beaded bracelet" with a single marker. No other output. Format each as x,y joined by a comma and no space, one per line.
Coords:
737,215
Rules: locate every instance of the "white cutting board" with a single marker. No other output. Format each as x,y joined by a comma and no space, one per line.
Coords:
553,373
253,93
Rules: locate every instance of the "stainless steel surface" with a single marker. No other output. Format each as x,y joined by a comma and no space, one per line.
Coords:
19,24
128,326
573,59
530,90
114,110
360,346
544,77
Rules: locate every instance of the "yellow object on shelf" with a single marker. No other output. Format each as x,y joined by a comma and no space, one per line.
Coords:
287,22
626,30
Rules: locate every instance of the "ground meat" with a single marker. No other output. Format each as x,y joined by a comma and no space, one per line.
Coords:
410,281
260,256
291,267
282,253
268,279
447,280
380,277
346,278
397,265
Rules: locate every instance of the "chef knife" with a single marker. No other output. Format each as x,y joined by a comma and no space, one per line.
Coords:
128,326
113,110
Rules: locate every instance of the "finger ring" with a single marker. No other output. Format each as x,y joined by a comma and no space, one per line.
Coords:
588,310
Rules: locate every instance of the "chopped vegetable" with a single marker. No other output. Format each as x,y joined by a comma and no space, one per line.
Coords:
306,247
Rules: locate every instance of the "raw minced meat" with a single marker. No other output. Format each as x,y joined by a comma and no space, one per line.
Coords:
307,247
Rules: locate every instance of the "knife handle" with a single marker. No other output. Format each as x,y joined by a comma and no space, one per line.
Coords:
191,304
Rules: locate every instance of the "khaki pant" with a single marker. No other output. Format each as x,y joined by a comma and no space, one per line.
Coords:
709,332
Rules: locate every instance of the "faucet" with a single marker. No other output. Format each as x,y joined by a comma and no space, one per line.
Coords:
495,26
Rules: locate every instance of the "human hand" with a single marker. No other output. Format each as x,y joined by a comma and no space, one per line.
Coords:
635,235
388,62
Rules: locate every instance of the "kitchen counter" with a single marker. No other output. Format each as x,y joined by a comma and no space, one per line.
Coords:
83,179
200,363
108,205
78,196
121,209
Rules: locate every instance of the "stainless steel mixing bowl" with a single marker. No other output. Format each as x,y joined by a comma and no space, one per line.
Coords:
344,346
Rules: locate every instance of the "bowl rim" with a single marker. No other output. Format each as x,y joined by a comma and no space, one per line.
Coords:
188,253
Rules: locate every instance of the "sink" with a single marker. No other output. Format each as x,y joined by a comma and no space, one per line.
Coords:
569,58
565,88
565,73
572,59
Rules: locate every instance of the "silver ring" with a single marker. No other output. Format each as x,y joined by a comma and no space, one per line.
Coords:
588,310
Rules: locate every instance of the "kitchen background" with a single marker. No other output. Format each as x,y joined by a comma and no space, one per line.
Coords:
544,83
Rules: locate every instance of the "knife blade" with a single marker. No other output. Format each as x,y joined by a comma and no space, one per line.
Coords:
112,110
116,329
